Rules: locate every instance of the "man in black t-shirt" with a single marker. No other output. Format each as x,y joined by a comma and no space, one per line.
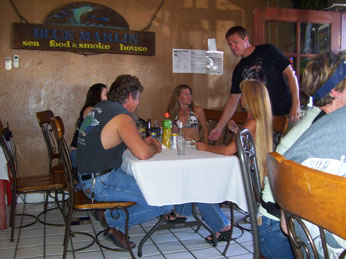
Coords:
265,63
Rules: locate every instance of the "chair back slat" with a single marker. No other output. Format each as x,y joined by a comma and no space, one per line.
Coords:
251,179
44,121
309,194
59,133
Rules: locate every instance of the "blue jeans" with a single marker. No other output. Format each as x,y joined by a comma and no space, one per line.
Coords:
211,213
273,242
118,186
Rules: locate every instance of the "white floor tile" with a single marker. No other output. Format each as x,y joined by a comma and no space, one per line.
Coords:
233,249
182,255
29,242
207,253
27,252
166,242
163,238
171,247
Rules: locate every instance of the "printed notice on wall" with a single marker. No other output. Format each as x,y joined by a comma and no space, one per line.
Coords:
215,62
197,61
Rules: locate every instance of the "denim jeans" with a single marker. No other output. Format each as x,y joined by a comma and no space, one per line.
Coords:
211,214
118,186
274,244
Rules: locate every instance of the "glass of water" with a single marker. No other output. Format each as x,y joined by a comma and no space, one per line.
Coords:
181,143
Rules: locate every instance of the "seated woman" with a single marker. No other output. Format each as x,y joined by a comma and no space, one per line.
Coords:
329,95
192,117
255,100
96,94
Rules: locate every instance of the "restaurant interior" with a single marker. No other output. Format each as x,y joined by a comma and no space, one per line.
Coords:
51,79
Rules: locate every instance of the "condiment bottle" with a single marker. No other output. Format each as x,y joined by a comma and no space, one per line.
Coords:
166,130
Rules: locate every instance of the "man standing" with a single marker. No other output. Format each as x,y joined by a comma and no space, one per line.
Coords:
267,64
104,135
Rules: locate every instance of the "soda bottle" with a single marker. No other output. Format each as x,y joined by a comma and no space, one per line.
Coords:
166,130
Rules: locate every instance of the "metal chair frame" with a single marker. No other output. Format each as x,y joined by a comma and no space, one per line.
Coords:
44,121
251,179
28,184
78,201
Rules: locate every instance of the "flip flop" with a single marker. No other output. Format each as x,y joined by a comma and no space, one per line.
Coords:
176,218
224,236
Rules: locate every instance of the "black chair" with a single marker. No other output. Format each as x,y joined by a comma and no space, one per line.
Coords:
251,179
77,199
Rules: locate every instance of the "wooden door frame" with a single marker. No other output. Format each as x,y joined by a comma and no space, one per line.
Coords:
298,16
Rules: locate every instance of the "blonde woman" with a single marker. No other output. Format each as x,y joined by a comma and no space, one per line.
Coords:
192,117
255,100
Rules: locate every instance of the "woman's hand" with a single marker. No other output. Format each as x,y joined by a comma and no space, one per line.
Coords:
232,126
201,146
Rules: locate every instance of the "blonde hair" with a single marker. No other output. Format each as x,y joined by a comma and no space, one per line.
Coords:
174,105
257,103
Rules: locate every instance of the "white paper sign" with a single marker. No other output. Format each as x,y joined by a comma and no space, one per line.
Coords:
197,61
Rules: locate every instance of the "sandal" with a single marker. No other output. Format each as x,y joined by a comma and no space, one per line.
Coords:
224,236
176,218
118,238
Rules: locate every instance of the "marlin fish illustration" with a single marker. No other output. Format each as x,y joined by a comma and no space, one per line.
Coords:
79,12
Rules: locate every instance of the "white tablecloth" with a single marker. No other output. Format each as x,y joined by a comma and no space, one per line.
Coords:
198,176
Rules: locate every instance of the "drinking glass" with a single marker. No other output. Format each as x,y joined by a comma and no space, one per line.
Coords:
181,143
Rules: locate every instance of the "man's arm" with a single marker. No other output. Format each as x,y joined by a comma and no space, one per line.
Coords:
123,128
227,113
293,86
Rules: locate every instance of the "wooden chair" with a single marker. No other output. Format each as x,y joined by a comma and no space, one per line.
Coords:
251,179
77,199
213,116
44,121
29,184
280,125
310,195
54,163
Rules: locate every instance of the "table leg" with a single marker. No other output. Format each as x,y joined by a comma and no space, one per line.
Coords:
152,230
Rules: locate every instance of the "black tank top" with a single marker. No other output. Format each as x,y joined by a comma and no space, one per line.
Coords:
91,156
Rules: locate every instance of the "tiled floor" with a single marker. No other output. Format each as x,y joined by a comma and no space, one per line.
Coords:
39,241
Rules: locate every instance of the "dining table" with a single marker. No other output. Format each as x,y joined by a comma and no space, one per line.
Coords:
196,177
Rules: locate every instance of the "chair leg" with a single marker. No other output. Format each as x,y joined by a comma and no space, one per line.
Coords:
68,220
127,233
13,214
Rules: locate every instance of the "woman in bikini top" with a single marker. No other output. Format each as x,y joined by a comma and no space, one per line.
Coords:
192,117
